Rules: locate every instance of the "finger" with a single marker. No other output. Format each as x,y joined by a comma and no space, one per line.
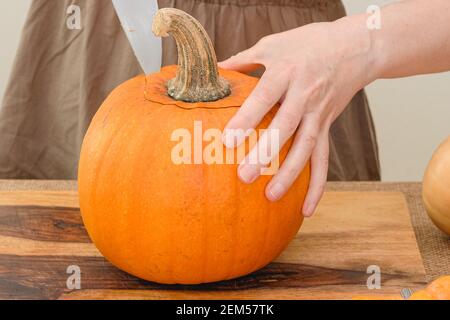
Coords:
283,126
245,61
319,172
299,154
266,94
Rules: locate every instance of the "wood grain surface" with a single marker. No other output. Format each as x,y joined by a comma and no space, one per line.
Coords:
41,235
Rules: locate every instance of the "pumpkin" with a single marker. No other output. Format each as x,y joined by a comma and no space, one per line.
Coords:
436,187
439,289
421,295
378,297
178,223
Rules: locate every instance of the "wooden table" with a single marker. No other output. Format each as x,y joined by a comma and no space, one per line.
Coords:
357,225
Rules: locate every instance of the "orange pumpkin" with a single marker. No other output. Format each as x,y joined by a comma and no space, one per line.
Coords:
421,295
436,187
439,289
378,297
179,223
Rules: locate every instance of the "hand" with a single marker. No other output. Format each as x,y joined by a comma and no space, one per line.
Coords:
313,71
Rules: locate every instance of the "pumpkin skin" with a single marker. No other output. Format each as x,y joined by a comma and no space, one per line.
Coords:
436,187
439,289
421,295
378,297
177,224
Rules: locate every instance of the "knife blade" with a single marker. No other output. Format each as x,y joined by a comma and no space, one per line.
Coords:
136,18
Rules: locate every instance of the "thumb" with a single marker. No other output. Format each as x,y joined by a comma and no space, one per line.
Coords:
242,62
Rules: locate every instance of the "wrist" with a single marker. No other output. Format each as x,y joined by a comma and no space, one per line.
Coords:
361,48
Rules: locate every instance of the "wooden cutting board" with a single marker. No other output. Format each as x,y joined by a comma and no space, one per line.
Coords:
42,235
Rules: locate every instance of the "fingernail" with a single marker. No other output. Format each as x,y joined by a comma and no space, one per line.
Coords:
275,192
309,210
233,137
248,174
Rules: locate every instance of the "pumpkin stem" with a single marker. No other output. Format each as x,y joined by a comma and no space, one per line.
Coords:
197,76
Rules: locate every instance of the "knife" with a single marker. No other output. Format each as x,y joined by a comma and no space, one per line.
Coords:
136,17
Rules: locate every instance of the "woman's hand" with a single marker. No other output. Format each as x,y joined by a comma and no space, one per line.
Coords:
313,71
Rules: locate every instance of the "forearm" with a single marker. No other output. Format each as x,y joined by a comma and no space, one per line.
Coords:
414,38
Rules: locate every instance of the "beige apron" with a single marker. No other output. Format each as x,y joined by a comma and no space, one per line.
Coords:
61,76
